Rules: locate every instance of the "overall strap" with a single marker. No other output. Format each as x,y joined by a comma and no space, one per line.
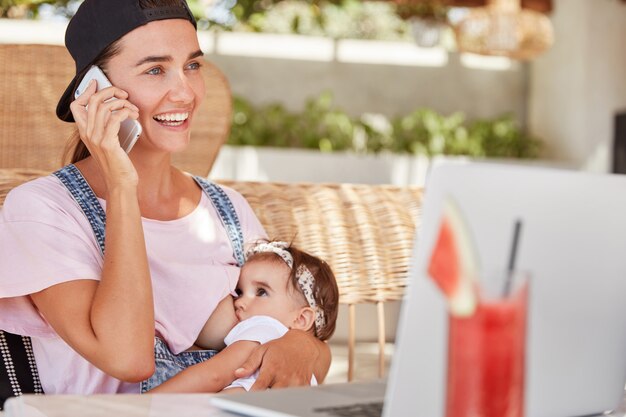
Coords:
80,190
228,216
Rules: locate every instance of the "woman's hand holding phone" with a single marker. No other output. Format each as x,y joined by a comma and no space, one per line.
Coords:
98,119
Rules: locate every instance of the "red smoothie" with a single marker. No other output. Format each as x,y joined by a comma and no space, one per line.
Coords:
486,359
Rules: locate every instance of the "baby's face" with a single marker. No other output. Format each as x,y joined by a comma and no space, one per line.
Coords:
264,289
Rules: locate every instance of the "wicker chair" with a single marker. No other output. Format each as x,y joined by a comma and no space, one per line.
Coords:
33,77
365,232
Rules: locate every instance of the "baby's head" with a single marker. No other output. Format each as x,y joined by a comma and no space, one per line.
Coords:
285,283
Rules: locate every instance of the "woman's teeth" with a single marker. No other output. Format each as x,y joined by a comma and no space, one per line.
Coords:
171,119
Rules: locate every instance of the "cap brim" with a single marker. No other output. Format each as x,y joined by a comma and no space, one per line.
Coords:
63,108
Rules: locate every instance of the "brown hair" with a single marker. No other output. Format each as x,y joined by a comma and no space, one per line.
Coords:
75,150
325,289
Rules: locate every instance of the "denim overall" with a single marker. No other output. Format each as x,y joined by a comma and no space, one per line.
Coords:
167,364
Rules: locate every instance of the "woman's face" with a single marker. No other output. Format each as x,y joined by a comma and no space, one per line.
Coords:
159,66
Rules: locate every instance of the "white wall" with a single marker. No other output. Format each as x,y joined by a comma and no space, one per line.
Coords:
578,86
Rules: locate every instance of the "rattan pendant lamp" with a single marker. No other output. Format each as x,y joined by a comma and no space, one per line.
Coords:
503,28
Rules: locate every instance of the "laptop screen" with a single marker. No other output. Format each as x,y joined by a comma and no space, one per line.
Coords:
574,247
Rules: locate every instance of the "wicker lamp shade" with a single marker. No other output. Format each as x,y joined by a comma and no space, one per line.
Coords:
503,28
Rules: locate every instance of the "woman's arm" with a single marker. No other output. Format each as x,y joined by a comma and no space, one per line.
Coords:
110,322
212,375
288,361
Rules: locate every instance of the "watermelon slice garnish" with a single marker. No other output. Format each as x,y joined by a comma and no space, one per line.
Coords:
453,264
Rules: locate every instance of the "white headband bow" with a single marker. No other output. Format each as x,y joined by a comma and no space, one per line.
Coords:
305,278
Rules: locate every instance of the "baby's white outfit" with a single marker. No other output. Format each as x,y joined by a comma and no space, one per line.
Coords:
260,329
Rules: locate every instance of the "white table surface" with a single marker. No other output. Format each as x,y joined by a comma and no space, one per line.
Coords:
129,405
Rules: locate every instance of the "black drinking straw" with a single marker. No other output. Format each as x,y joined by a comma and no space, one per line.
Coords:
512,256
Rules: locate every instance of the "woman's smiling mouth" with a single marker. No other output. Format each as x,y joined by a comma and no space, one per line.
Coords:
171,119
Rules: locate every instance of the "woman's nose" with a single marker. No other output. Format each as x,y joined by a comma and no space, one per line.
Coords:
181,90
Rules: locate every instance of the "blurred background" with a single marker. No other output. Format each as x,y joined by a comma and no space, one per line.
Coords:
378,91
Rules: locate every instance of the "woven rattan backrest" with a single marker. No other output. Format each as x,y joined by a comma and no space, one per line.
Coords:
12,177
33,77
365,232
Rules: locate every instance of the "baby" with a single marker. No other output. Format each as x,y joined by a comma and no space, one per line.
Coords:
280,288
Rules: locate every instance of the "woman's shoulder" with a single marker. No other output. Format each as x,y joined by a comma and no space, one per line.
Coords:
35,198
235,196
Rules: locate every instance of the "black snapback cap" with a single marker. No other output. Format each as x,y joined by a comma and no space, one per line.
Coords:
99,23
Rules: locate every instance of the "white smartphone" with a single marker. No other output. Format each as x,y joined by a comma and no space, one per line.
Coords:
129,129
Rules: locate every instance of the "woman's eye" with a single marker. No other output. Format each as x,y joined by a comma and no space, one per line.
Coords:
261,292
194,66
154,71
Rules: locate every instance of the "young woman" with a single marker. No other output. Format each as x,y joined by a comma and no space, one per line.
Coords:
92,313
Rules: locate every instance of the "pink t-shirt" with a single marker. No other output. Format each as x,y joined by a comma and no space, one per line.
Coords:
45,239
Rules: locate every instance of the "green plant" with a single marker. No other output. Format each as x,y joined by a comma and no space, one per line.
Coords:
344,19
323,126
427,132
503,138
319,126
22,8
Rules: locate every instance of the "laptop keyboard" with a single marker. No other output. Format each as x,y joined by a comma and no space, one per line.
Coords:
354,410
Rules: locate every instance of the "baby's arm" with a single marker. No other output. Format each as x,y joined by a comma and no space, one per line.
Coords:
212,375
218,325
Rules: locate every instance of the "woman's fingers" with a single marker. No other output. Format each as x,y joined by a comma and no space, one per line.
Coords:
264,381
252,363
113,126
98,115
106,110
284,362
95,102
78,108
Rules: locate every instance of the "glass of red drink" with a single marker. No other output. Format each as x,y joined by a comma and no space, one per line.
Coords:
486,352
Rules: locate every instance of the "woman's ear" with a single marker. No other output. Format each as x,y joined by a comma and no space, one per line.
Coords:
304,320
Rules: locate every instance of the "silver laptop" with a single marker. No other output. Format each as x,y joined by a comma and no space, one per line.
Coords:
574,245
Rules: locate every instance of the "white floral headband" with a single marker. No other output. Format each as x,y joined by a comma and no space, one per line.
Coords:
305,278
